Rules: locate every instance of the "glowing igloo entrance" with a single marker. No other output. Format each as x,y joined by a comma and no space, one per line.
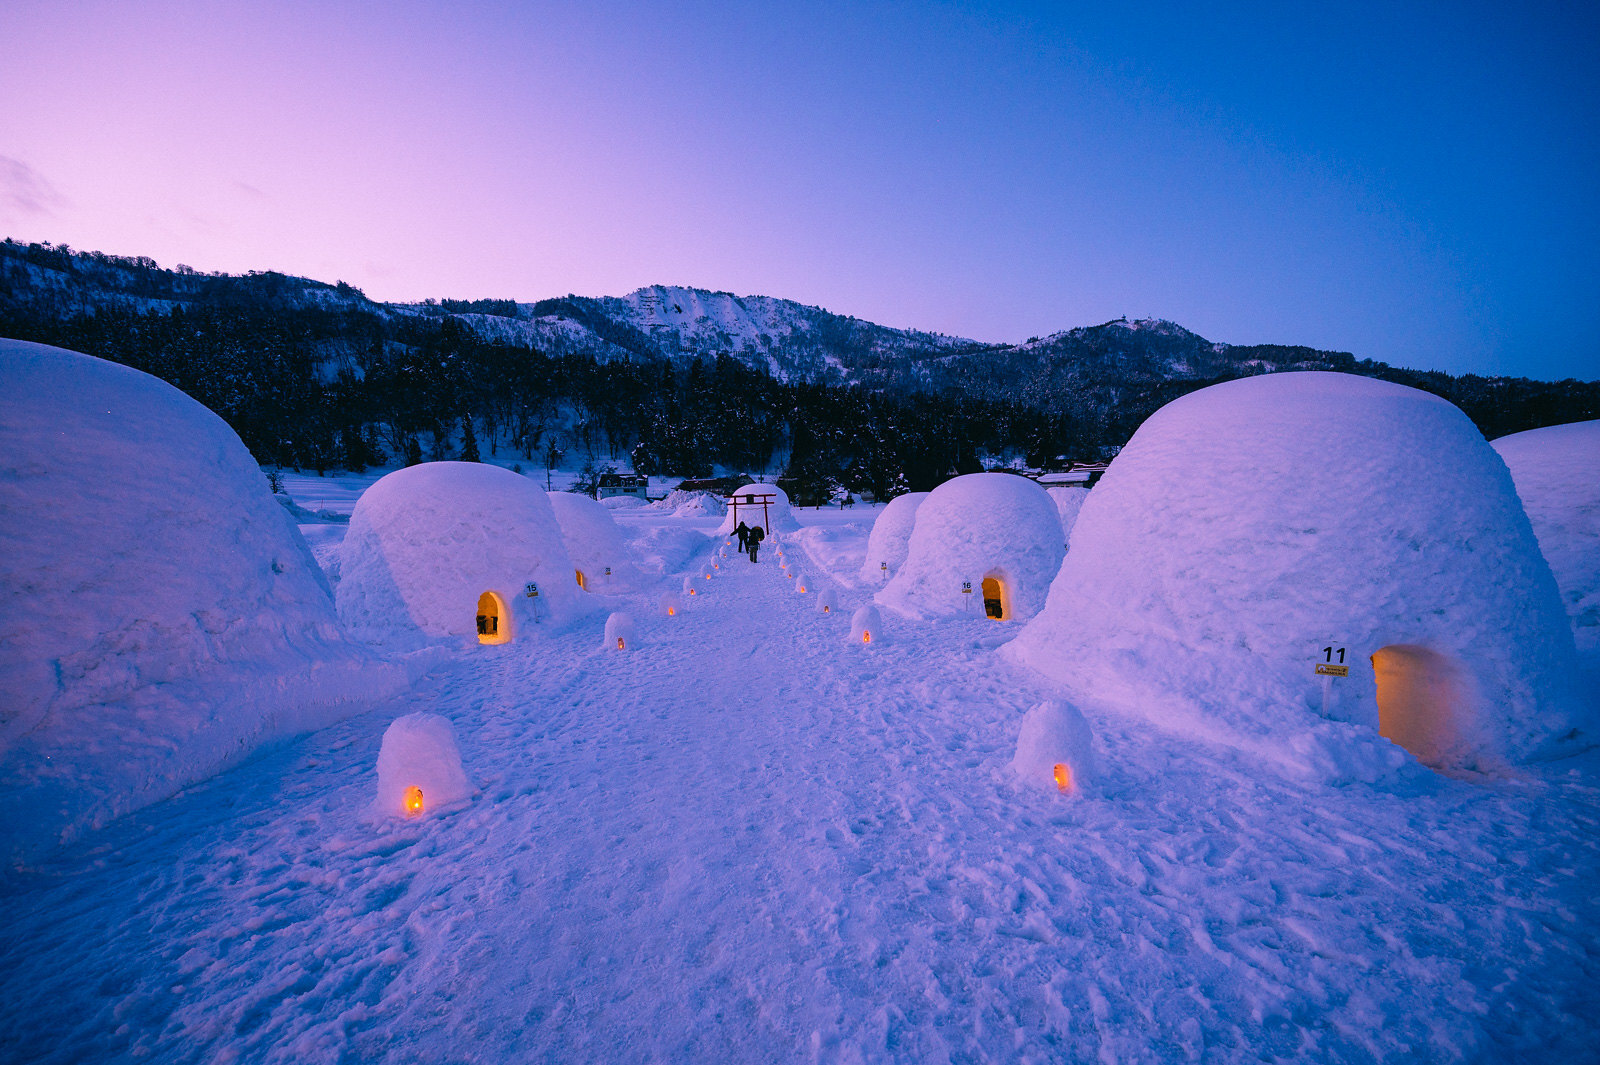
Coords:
996,599
494,620
1423,701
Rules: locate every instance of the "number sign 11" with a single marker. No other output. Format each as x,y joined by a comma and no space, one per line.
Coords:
1330,662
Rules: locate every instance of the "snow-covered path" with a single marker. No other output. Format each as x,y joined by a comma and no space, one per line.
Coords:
745,840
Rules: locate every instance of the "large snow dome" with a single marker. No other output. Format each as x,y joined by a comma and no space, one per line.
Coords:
594,543
1557,474
779,516
433,547
1253,530
891,537
997,532
160,615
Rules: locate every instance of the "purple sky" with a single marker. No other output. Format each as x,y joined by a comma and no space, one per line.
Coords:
1413,183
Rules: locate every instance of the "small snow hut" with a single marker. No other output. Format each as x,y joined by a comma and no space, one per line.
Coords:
454,549
984,545
765,505
599,556
1258,539
890,537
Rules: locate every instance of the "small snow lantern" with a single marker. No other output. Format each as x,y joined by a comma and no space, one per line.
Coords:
688,586
1055,748
670,605
419,767
619,632
827,601
800,584
866,625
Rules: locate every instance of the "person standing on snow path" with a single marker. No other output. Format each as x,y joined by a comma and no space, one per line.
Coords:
743,533
757,534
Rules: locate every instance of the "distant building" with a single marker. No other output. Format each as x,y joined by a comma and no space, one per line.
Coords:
1078,475
623,484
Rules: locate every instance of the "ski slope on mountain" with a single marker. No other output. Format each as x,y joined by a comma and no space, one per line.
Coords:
746,839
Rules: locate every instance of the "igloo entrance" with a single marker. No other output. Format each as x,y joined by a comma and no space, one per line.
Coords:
583,580
494,622
996,599
1422,701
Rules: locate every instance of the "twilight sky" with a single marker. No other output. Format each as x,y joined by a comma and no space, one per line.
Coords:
1411,182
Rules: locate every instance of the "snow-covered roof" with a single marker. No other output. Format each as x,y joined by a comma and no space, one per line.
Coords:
1557,474
426,541
1250,525
778,513
594,542
969,528
890,537
162,615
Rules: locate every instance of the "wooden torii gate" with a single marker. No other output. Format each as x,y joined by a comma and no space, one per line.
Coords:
753,499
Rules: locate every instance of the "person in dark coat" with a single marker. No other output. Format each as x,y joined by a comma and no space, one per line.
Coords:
757,534
743,533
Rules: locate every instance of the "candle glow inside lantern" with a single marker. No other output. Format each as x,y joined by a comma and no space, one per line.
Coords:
670,605
419,768
866,625
1055,749
827,600
619,631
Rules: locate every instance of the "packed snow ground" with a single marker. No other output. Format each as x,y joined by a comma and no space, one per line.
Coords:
747,840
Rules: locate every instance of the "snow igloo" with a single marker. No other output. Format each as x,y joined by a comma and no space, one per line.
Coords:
601,560
1557,474
890,538
985,544
776,516
449,549
1258,538
160,615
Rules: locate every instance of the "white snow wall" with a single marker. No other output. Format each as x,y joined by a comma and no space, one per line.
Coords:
1247,525
160,615
1557,474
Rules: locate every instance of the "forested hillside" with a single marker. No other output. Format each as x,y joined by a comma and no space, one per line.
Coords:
672,380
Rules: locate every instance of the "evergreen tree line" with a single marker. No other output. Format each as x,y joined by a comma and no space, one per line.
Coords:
347,389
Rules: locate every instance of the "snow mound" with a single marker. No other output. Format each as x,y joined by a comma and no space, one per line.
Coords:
665,549
1055,734
619,632
594,543
1255,529
828,601
427,542
1555,471
866,626
890,538
779,515
162,617
419,751
1068,502
983,526
690,505
622,503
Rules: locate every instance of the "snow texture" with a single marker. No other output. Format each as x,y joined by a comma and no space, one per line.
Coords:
779,515
1055,733
1557,474
969,528
160,616
419,751
1250,525
890,538
690,504
594,542
426,541
1068,502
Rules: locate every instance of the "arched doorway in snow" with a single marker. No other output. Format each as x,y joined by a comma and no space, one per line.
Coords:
583,581
494,620
1422,701
996,598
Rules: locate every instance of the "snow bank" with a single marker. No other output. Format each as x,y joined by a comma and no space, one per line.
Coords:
690,505
890,538
1250,526
594,543
665,549
1054,734
160,615
779,517
995,526
1068,502
419,751
426,542
1555,471
622,502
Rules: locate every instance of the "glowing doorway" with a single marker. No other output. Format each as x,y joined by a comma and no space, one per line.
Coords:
494,620
996,599
1422,701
